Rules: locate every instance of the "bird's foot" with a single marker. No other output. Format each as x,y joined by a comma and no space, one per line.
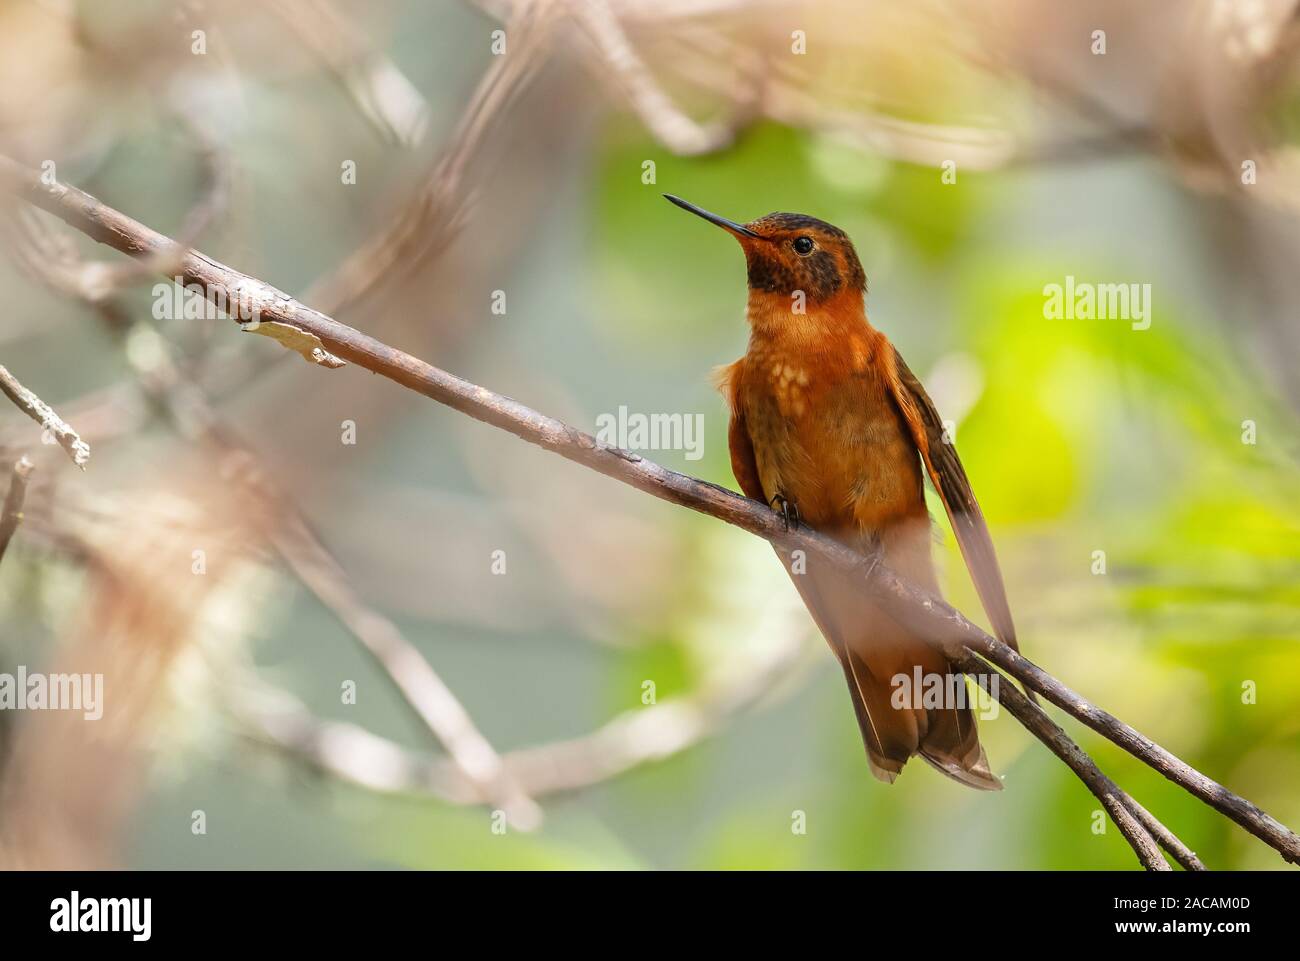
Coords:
788,510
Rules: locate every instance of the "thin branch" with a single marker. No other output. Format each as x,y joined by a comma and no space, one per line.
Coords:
662,117
1037,723
427,694
12,513
419,684
1248,815
44,414
634,737
433,216
903,600
383,94
1166,838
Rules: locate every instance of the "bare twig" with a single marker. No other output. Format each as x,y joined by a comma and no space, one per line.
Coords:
636,737
44,414
429,221
1034,720
661,116
426,692
1037,723
632,738
12,513
383,94
1167,839
415,679
904,601
1248,815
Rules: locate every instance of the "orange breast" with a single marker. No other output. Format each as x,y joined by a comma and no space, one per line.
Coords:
827,434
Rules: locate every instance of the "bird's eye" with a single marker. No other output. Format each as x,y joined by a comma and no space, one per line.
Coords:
803,246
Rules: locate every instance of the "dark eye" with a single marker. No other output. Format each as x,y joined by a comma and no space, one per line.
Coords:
803,246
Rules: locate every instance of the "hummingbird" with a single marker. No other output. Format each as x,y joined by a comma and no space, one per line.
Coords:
831,429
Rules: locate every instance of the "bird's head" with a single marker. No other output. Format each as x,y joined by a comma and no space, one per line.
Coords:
793,254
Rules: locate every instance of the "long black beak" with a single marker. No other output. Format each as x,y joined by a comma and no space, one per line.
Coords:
723,222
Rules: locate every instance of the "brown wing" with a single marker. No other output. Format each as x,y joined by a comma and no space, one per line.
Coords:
743,464
950,481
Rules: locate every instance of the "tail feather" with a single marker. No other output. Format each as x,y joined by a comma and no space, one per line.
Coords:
873,650
890,745
946,738
953,747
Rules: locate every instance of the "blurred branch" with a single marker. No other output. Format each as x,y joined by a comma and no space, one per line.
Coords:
418,682
632,738
637,737
904,601
56,262
190,412
383,94
428,695
428,222
726,67
44,414
602,21
663,118
12,513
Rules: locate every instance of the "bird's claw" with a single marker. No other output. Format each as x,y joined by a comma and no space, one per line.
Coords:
788,510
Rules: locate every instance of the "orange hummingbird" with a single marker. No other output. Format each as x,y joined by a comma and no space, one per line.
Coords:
829,427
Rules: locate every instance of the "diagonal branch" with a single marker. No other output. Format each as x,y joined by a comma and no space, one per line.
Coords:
44,414
904,601
1142,835
634,737
966,635
432,217
383,94
661,116
1166,838
420,685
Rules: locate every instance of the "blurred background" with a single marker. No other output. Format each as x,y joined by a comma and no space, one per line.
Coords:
341,625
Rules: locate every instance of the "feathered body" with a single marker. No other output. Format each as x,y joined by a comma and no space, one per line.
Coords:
831,427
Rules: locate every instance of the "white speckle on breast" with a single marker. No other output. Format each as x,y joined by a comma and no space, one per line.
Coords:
787,384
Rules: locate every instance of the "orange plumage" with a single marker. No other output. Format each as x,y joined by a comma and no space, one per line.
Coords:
830,427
